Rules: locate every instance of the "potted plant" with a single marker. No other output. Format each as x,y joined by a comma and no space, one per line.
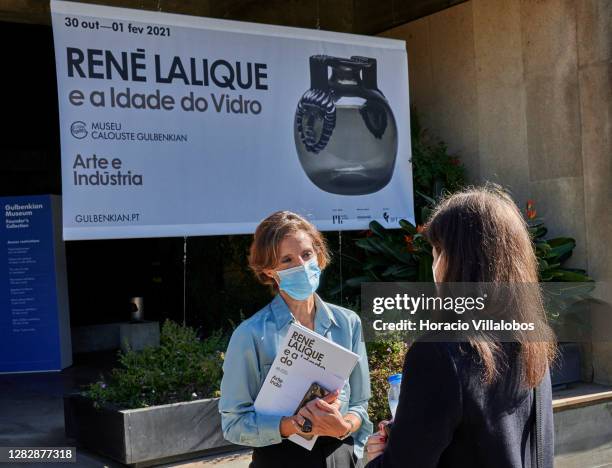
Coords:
159,405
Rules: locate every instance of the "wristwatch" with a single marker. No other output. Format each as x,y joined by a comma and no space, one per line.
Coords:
349,432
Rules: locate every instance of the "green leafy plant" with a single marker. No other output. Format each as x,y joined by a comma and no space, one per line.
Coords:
385,358
552,253
394,255
182,368
565,302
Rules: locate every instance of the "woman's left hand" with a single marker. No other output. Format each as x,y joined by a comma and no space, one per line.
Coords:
375,446
324,413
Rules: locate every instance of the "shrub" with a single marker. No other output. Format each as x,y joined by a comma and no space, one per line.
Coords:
552,253
182,368
385,358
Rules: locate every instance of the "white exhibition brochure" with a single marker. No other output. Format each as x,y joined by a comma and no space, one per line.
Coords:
304,357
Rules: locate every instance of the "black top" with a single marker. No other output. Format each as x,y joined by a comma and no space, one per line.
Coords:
447,416
328,452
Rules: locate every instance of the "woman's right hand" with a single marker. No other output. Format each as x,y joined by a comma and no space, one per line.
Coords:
325,416
290,425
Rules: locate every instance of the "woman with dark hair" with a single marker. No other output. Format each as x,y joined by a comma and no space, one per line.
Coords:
471,403
288,254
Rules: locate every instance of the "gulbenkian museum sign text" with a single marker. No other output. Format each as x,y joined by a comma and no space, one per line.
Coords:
174,125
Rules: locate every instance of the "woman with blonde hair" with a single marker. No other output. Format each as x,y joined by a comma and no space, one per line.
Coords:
288,254
472,403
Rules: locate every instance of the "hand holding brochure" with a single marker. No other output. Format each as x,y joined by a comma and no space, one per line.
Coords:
304,357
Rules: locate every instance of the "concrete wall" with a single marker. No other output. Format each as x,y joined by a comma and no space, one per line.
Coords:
522,89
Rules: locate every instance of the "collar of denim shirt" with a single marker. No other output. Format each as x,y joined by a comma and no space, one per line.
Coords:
324,317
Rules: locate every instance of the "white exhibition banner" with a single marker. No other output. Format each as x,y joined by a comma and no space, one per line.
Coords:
174,125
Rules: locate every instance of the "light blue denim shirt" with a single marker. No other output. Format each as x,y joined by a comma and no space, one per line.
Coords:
250,354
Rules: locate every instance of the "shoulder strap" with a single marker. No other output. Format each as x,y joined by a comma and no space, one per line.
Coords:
537,455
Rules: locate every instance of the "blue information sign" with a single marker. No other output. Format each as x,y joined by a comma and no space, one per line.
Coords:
33,313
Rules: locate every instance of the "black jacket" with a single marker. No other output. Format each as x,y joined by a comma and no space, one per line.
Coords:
447,416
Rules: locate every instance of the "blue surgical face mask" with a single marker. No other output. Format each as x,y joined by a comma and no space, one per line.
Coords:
301,281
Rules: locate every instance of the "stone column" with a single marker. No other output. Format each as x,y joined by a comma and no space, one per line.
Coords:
594,31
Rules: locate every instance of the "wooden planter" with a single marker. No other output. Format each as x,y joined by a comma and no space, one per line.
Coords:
146,436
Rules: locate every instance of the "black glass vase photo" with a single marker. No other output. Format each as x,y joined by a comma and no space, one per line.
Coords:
345,132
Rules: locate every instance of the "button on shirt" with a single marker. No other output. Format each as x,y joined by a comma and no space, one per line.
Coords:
250,354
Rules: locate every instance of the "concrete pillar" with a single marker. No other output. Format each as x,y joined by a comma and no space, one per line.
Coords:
442,75
502,116
595,81
550,61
